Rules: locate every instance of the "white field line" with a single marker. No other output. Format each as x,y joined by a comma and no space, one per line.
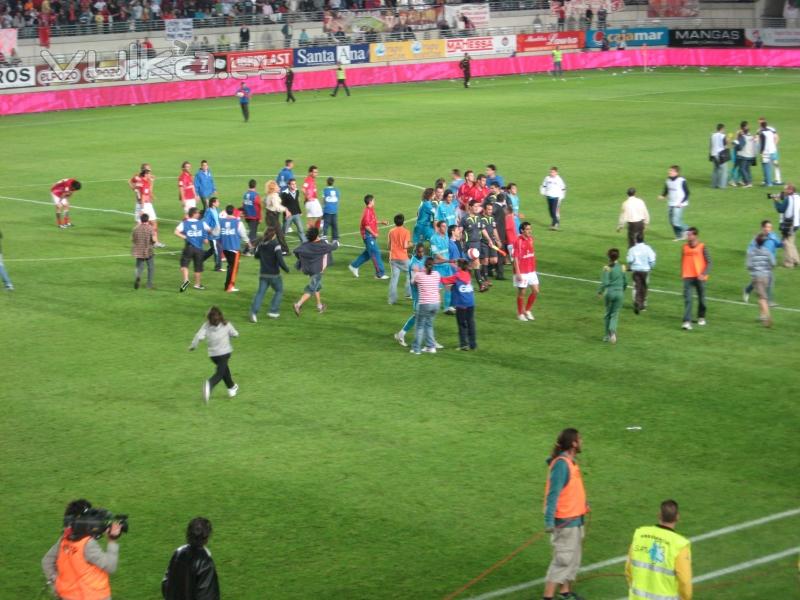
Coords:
351,233
621,559
670,292
244,178
128,255
749,564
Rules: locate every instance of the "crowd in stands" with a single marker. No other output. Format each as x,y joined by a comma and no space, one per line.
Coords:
106,15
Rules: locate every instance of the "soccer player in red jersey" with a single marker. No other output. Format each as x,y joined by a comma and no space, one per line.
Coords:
186,191
525,272
61,192
313,207
135,183
481,190
511,230
465,193
144,183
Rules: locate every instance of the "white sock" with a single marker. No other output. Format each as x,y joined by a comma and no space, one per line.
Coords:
777,173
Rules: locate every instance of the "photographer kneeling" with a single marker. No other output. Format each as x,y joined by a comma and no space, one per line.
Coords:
76,566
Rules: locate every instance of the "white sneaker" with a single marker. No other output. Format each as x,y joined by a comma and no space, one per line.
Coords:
438,346
232,391
253,318
612,338
745,297
400,336
521,317
384,276
451,310
233,289
701,322
353,270
429,350
530,316
160,245
206,391
687,326
273,315
412,351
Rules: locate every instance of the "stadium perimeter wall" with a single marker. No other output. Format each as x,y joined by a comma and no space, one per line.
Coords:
120,95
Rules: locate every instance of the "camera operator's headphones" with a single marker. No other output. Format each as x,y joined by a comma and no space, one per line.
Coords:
74,510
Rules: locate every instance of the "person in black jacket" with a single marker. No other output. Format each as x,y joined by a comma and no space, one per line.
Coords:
268,252
290,197
191,574
289,84
313,256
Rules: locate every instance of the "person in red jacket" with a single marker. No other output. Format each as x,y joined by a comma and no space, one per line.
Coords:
525,272
61,192
462,297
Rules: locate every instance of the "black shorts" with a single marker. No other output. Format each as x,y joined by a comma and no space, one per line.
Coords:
192,254
487,251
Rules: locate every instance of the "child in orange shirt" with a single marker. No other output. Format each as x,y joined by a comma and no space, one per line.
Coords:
399,243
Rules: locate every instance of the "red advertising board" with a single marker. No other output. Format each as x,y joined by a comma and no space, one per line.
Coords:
538,42
253,62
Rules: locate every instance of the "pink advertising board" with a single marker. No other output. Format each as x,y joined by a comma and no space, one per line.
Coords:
120,95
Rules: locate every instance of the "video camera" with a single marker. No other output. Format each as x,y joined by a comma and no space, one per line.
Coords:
93,522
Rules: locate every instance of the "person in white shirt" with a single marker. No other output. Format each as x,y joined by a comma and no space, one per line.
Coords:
676,192
641,260
745,154
634,214
768,146
218,333
717,152
554,190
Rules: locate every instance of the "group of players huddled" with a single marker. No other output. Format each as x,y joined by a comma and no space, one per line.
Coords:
469,225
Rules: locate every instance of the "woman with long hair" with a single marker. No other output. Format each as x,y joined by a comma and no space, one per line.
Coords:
612,287
428,282
274,210
218,333
423,230
269,254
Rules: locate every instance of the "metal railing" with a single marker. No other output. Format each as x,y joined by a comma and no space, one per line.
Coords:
328,40
252,19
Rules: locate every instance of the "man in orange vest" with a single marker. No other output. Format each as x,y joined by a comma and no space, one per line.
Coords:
76,566
564,508
695,264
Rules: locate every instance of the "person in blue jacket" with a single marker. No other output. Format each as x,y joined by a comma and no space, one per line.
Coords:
211,218
423,230
204,183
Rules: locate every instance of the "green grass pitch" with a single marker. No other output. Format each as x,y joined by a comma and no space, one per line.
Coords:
347,468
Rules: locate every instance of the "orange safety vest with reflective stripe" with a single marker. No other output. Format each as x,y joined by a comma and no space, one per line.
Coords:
77,578
693,262
572,499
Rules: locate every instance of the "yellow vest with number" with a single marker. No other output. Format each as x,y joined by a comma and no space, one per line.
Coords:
654,551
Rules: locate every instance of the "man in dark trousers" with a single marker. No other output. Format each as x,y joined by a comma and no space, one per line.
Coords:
243,93
464,65
289,83
341,80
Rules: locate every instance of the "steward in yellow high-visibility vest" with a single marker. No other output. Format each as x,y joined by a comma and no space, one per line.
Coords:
659,565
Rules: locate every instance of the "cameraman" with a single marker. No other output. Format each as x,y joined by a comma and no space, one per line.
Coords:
191,574
788,205
76,566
